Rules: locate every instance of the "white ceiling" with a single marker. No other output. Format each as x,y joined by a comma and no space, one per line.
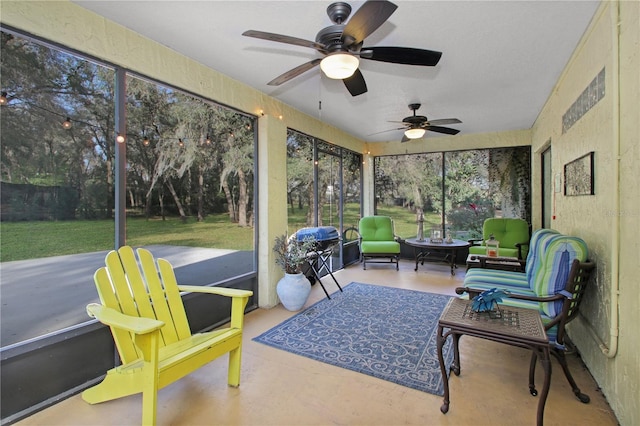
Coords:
500,59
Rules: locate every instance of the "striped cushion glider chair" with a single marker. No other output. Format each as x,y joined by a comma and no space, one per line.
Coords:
554,281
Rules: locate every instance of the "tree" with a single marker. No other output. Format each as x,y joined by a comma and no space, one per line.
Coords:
45,86
300,173
149,121
237,158
195,150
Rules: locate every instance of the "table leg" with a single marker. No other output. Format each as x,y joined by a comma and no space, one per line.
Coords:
455,367
546,365
453,261
532,372
415,254
444,408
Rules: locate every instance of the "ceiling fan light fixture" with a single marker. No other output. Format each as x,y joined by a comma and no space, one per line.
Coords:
414,133
339,65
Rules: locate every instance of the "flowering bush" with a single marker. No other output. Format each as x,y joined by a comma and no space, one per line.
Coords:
470,217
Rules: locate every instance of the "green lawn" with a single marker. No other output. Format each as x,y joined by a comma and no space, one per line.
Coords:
31,240
404,220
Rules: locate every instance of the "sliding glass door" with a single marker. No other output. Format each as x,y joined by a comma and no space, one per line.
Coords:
324,189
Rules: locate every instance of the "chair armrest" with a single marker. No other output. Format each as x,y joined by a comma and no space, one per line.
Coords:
113,318
475,241
519,247
220,291
476,291
239,300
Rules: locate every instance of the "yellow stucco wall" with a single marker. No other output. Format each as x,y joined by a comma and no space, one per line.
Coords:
272,195
607,221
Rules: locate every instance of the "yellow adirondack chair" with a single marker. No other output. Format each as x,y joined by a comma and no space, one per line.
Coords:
151,331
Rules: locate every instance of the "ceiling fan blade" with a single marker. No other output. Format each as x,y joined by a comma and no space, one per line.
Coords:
444,121
367,19
385,131
402,55
356,84
446,130
295,72
284,39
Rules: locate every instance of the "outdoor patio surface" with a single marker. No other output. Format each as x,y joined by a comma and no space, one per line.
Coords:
40,296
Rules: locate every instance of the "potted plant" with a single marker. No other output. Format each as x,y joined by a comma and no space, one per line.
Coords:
291,255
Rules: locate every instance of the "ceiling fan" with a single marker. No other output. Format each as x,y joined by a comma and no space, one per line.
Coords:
415,126
341,45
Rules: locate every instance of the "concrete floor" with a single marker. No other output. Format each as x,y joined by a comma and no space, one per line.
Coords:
280,388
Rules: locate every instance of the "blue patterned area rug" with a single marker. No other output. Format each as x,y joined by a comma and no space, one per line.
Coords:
385,332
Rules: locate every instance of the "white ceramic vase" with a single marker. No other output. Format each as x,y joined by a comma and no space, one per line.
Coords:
293,291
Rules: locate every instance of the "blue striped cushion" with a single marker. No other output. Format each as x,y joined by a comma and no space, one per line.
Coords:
536,250
512,290
553,272
495,278
552,335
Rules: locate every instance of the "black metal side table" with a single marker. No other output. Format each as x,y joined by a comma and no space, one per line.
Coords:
425,248
514,326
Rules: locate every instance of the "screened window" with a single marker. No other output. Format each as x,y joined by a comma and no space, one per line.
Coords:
456,191
190,179
189,183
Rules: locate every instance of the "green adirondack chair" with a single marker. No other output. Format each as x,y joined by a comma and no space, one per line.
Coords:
146,315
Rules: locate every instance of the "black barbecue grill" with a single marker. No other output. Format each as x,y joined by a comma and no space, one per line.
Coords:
327,238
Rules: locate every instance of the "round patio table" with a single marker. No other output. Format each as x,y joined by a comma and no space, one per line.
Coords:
446,252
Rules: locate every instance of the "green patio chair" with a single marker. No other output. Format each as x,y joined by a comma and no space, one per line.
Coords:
512,233
378,240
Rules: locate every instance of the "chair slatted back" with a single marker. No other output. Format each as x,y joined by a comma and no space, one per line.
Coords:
165,297
151,293
124,343
576,287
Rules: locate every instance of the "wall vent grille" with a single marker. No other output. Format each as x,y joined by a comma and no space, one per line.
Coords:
587,99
